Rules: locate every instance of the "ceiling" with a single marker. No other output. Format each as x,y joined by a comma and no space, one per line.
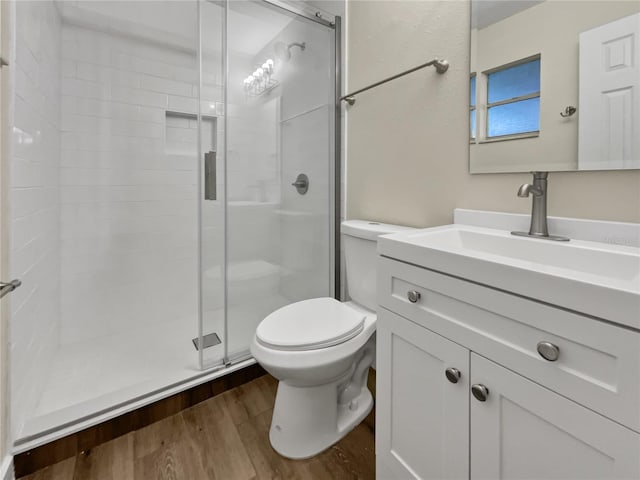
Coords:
251,25
488,12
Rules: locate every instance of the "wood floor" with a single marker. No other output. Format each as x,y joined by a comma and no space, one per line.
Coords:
223,438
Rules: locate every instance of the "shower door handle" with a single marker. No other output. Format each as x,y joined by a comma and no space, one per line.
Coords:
9,287
210,176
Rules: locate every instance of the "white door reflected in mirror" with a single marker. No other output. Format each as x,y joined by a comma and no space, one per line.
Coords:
609,100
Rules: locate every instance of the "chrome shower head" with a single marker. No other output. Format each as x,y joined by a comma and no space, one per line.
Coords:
283,51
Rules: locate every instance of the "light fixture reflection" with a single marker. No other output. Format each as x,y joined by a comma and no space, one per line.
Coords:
261,80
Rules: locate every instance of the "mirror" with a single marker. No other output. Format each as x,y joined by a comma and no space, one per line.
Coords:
555,85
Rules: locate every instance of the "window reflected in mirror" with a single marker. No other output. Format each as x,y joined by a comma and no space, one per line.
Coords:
513,100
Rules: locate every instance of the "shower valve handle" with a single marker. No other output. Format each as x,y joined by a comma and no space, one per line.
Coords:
301,184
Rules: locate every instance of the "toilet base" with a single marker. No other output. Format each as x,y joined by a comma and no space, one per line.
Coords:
308,420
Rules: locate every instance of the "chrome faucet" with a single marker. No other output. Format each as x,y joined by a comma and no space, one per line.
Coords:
538,228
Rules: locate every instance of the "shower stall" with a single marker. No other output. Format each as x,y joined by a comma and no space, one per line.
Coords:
172,181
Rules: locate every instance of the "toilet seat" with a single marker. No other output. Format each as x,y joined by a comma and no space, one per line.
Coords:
310,325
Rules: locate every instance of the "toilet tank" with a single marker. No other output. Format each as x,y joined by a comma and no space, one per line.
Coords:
360,239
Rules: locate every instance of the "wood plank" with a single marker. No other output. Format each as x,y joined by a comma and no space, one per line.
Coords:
69,446
250,400
267,463
110,461
370,420
213,434
155,436
60,471
235,406
257,397
223,438
353,456
171,461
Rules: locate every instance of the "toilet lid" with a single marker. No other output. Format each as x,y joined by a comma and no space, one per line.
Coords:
310,325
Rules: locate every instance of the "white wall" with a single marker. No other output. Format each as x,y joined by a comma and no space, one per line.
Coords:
551,29
34,255
408,141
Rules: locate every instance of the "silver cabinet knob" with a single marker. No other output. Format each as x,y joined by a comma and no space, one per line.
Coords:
413,296
548,351
480,392
452,374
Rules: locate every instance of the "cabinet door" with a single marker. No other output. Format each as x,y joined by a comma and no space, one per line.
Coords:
422,428
524,430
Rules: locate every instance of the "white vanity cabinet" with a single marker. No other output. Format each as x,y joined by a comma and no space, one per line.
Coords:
524,430
574,416
422,420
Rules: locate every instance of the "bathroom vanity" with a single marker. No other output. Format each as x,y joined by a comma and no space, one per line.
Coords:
507,357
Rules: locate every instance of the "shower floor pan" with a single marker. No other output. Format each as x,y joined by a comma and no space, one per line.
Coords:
90,382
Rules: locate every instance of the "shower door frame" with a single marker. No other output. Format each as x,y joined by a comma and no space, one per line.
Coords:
5,93
335,169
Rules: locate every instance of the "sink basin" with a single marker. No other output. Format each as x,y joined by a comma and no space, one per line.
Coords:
589,277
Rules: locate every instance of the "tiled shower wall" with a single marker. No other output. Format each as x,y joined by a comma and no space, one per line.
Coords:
128,194
305,119
128,185
34,203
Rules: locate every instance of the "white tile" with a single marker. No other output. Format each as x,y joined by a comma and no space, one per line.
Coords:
151,115
209,108
138,129
151,67
183,135
177,121
34,242
183,104
173,87
25,88
138,97
26,60
85,89
85,123
107,75
68,68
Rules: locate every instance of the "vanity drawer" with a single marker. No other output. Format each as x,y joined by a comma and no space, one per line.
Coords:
598,363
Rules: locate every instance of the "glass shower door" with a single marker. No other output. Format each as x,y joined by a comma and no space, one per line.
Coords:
280,101
113,107
212,326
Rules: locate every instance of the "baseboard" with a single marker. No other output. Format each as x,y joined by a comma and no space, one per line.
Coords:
6,468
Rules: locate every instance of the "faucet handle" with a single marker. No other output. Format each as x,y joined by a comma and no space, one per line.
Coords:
526,189
523,191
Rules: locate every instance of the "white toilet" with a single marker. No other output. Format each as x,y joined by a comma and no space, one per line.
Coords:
320,350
